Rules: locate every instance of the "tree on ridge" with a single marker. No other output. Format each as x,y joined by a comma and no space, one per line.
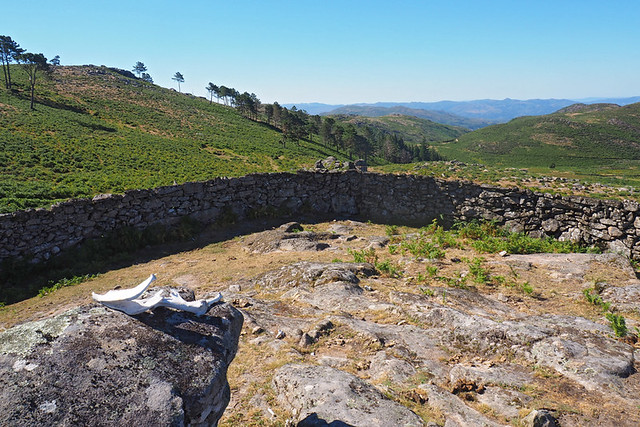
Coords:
139,68
179,78
32,63
212,89
9,51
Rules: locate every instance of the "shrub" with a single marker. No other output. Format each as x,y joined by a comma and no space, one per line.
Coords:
592,296
421,247
618,324
389,269
478,272
391,230
364,255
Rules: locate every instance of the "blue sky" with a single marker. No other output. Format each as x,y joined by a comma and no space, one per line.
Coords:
350,51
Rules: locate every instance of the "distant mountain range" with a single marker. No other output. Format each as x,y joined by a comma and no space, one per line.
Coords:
483,111
437,116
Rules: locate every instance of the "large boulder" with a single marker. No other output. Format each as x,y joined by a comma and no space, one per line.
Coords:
320,395
95,366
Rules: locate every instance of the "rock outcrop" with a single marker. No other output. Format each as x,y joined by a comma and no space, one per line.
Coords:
335,396
407,338
368,349
95,366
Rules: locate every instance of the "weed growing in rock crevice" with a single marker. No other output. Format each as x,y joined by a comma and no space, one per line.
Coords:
616,321
618,324
593,296
386,267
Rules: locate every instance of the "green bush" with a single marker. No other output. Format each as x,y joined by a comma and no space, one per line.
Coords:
618,324
389,269
478,272
364,255
593,297
421,247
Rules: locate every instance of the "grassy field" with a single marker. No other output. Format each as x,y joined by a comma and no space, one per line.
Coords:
598,143
569,182
97,131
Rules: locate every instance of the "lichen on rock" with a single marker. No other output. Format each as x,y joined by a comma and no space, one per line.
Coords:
92,365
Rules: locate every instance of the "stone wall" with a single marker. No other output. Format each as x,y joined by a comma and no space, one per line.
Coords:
404,199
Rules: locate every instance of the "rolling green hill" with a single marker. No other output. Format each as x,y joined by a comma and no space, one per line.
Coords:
97,130
433,115
597,139
413,130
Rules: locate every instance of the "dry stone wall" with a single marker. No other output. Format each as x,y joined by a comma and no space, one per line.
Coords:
39,234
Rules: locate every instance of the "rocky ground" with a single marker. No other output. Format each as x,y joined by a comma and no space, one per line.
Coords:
454,337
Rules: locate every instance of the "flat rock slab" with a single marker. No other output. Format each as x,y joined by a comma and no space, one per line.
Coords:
456,412
320,395
626,298
95,366
315,274
287,237
566,266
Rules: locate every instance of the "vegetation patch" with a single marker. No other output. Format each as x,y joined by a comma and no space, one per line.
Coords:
62,283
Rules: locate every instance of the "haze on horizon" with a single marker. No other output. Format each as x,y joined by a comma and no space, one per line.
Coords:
344,52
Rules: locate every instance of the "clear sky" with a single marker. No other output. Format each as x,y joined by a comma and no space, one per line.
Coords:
350,51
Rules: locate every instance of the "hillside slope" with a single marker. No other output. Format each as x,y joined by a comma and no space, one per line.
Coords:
412,129
97,130
435,116
579,136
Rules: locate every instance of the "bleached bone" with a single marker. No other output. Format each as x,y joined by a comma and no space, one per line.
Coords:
135,306
131,305
124,294
199,307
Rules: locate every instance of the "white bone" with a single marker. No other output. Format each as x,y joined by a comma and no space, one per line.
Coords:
135,306
127,301
199,307
124,294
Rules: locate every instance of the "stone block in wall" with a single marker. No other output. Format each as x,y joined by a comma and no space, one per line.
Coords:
550,225
206,216
514,226
630,206
191,188
167,190
599,234
614,232
618,246
491,195
344,204
573,234
292,204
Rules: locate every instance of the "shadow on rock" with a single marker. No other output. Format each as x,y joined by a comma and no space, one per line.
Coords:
312,420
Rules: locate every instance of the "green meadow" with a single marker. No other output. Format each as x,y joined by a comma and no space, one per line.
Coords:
95,130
